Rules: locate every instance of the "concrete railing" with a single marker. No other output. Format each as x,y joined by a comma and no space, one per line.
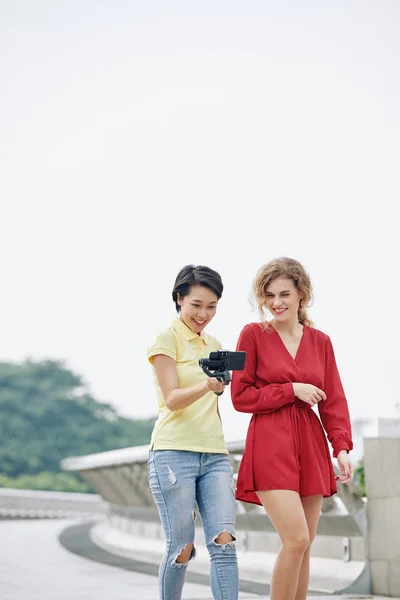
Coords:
120,477
382,475
31,504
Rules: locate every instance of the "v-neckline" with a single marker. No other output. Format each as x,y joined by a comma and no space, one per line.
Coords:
294,358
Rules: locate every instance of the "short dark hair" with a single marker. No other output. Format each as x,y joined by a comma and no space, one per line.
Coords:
191,275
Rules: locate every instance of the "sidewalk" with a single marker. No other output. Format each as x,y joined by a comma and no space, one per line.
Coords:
35,566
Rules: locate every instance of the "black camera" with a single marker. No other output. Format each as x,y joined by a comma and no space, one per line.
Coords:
220,363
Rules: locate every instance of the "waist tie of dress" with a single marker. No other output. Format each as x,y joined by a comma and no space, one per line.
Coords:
295,418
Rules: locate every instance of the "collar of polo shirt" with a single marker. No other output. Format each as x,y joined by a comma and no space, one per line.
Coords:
186,332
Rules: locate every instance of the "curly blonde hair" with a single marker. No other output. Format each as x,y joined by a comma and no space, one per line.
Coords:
289,268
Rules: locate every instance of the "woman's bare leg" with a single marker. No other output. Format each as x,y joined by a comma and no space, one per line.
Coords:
285,509
312,506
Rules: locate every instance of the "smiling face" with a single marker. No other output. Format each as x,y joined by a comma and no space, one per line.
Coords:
198,307
282,299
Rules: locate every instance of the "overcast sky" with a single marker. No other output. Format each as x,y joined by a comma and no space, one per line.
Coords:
140,136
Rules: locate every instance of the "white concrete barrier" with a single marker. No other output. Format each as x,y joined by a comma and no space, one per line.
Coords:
33,504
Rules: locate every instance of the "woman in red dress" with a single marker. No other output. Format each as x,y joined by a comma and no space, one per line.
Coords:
286,466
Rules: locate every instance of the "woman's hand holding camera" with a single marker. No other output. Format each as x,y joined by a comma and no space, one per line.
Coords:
213,385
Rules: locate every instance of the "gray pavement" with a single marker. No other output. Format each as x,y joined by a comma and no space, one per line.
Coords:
35,566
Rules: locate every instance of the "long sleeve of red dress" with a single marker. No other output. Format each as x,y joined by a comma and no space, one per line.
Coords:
334,410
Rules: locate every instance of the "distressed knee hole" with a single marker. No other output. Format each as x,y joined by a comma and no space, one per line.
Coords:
224,539
186,554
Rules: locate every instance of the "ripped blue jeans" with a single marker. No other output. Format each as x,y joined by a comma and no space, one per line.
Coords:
179,480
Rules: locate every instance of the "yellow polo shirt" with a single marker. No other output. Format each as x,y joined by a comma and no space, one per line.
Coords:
197,427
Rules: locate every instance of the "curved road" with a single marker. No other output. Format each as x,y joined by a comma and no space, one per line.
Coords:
48,559
35,564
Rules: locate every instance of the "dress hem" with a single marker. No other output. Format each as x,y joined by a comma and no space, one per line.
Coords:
252,498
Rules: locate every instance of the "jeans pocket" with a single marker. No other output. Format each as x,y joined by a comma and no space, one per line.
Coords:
150,465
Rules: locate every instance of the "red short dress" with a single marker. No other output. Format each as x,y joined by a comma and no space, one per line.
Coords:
286,444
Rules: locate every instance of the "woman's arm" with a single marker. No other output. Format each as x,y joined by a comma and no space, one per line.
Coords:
334,412
248,398
174,396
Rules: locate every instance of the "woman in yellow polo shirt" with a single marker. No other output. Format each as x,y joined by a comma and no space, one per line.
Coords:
188,462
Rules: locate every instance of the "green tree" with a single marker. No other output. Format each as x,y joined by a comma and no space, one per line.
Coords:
47,414
55,482
359,477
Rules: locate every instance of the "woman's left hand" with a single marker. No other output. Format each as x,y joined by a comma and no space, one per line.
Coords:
345,466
